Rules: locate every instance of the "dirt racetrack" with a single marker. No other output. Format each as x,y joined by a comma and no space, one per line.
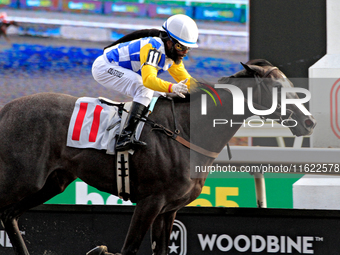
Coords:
40,64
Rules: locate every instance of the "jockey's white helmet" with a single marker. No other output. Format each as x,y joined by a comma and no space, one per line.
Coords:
183,29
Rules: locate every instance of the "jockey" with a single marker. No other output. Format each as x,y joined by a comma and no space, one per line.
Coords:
131,66
3,17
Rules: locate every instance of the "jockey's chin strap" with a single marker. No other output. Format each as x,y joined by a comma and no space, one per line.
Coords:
175,135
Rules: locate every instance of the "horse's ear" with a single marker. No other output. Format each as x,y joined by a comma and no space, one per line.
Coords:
253,69
248,68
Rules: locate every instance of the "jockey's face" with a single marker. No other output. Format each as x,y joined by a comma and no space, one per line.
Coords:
175,52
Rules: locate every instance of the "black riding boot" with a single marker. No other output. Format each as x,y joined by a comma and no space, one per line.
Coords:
126,139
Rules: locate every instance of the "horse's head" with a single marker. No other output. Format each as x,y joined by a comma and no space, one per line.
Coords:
287,108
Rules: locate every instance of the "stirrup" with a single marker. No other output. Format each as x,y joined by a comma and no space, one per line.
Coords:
130,144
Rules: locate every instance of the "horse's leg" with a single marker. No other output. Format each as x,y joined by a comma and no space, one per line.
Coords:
144,215
12,229
55,184
160,234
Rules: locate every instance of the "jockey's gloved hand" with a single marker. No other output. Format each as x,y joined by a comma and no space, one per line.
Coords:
180,88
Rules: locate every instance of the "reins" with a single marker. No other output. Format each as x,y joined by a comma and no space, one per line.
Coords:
175,134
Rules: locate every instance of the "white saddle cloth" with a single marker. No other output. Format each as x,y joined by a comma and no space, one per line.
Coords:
96,125
93,125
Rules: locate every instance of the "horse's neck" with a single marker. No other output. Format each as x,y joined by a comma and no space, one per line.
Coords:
198,127
218,125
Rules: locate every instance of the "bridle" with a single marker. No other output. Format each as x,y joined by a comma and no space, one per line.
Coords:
260,84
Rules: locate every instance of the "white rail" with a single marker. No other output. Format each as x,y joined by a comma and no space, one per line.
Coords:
113,25
293,160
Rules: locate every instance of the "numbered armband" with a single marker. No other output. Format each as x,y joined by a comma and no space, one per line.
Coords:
153,58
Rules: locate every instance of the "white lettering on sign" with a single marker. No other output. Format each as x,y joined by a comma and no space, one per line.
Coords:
83,197
257,243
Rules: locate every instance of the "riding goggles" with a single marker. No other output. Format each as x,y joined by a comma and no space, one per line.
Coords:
180,47
177,45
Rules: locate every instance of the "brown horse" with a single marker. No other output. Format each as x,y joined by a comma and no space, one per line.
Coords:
36,164
4,26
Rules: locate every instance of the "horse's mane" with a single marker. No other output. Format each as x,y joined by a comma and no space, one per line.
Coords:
244,73
259,62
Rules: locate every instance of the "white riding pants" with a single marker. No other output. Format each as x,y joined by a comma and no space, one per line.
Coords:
122,80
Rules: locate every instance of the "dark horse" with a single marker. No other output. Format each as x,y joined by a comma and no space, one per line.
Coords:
4,26
36,164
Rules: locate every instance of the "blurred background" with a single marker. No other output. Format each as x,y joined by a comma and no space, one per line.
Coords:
56,42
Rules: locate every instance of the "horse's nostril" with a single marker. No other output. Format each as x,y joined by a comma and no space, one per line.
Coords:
309,123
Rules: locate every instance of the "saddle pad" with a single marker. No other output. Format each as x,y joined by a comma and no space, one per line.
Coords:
93,125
